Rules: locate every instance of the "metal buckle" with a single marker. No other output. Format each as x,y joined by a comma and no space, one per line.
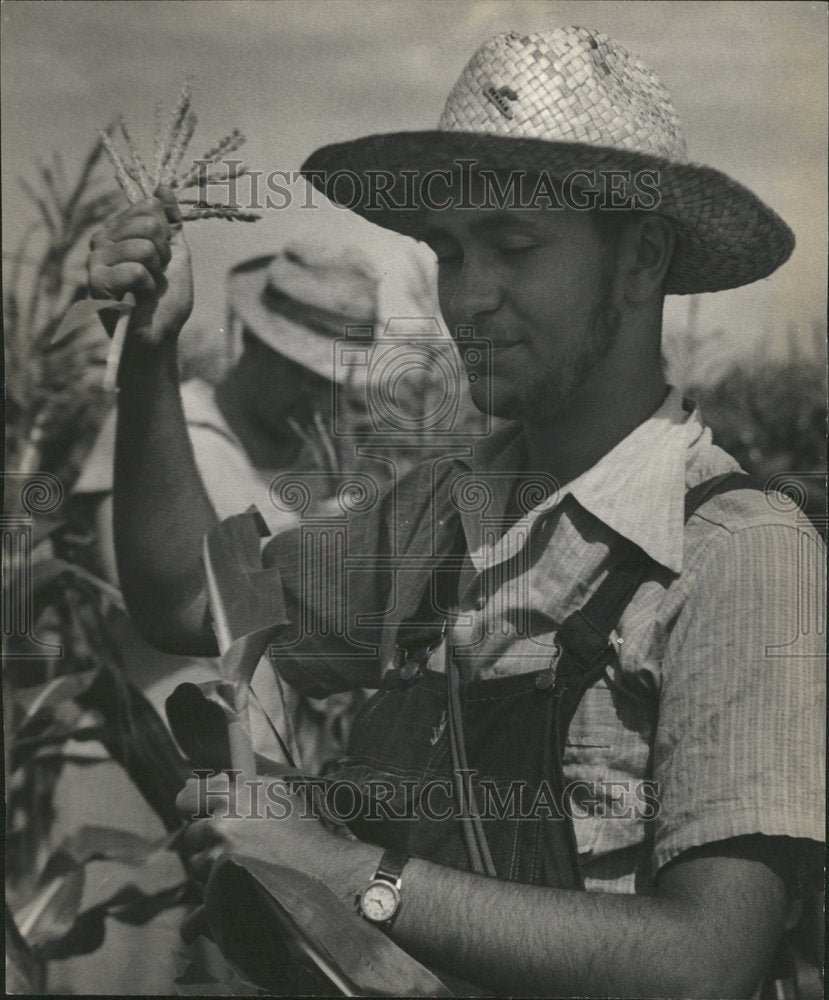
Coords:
407,668
546,678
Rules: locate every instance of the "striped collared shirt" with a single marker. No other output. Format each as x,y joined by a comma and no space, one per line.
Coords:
714,708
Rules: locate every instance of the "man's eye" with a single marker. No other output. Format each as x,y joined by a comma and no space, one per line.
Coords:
517,247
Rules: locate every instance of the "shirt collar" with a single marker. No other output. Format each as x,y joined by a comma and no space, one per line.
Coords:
637,488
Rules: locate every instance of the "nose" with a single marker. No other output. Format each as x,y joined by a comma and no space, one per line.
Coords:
471,290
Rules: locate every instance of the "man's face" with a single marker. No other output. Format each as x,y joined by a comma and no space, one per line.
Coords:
279,387
536,283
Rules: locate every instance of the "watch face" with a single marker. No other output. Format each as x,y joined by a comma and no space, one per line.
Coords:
380,901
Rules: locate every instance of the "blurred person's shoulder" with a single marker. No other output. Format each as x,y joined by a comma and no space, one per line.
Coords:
201,414
198,400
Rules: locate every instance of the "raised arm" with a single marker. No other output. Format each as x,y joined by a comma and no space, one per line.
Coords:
161,510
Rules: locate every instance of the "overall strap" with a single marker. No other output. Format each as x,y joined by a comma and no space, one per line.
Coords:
586,634
423,632
710,488
416,639
587,647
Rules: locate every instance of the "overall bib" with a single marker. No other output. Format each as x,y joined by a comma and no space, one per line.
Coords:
404,742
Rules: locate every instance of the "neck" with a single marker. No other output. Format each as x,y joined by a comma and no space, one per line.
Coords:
603,412
268,447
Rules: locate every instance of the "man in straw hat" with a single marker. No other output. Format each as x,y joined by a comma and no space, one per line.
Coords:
599,681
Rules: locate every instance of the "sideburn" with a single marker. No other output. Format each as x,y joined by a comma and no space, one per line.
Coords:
605,324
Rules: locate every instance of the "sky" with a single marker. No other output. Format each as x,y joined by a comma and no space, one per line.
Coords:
747,78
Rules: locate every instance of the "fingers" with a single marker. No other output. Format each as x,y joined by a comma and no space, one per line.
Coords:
204,796
208,795
201,864
170,205
130,252
201,844
195,924
145,219
200,834
135,251
115,281
192,801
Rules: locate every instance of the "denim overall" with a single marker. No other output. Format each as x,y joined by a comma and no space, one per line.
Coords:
514,733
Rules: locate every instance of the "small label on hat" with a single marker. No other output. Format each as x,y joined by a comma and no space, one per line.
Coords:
501,98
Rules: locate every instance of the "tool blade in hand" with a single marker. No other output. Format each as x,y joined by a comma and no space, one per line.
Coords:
246,598
80,314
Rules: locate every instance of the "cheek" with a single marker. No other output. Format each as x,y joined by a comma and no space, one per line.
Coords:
555,305
278,392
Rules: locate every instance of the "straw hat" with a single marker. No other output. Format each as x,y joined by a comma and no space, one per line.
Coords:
301,300
566,100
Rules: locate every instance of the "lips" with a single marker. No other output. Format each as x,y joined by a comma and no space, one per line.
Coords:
498,336
498,346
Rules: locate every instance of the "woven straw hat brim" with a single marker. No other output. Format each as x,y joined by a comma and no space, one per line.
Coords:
726,236
296,341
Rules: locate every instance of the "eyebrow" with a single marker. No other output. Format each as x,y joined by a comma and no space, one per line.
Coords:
489,222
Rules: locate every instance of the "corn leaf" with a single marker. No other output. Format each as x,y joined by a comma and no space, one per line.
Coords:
51,914
47,571
138,740
35,702
262,916
25,974
199,716
52,924
99,843
129,905
196,980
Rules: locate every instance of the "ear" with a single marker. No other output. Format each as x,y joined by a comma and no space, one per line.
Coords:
651,247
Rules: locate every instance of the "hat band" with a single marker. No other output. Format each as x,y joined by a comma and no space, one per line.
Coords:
318,320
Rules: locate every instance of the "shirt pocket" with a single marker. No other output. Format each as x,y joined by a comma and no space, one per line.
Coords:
606,756
587,754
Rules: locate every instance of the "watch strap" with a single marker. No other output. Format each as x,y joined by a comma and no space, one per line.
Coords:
391,865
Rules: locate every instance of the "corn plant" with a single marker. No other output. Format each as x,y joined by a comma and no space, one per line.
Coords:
53,399
55,402
138,181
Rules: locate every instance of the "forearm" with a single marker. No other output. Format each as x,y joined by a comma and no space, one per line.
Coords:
707,930
516,939
161,510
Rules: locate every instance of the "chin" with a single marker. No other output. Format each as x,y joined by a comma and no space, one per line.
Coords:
510,402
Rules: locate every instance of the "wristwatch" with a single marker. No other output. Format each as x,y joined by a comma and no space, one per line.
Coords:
379,902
